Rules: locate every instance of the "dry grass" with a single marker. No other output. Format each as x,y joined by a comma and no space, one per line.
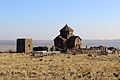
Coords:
59,67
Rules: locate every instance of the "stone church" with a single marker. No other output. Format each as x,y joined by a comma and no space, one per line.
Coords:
67,40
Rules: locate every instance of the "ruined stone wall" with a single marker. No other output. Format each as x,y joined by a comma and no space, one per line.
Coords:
24,45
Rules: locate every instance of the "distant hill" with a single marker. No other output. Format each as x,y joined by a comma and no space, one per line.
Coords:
6,45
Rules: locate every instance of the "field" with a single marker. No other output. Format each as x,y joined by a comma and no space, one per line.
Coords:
59,67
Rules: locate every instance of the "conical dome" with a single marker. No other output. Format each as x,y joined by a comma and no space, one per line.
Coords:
66,28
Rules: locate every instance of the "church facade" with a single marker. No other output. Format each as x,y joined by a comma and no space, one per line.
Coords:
67,40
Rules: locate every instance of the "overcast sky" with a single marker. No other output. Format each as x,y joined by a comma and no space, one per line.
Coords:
42,19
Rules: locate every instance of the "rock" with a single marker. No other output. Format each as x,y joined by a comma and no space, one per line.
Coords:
85,74
73,53
62,60
90,55
115,74
64,78
71,73
68,57
2,74
40,59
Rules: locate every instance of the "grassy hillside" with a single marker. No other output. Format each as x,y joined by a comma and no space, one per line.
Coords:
59,67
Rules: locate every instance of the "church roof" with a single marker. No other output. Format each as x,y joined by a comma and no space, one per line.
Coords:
66,28
60,37
72,38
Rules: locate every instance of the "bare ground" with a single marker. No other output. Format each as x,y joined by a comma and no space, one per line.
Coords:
59,67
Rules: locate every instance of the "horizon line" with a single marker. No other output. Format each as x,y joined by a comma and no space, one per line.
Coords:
52,40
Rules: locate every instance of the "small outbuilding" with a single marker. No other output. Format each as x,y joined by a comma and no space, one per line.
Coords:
24,45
